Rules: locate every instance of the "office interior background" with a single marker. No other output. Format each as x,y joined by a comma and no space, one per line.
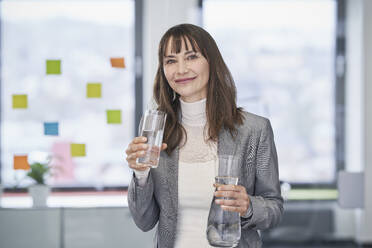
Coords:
304,64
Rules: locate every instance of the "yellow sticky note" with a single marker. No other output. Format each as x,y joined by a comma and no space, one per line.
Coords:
53,67
117,62
19,101
21,163
113,116
77,150
94,90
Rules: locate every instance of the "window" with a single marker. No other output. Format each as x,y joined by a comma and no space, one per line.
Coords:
83,36
282,55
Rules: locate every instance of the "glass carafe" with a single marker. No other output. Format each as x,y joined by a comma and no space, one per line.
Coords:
223,228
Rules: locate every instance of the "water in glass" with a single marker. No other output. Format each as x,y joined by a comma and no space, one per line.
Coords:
152,127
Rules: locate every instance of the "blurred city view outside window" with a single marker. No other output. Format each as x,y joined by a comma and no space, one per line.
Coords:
281,55
83,35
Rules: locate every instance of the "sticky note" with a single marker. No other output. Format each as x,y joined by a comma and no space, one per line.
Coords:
94,90
77,150
117,62
51,128
19,101
21,163
53,67
113,116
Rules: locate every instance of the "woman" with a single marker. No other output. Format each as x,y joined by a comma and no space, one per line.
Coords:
196,90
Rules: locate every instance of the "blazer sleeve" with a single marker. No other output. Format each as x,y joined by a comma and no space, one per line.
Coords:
267,202
142,204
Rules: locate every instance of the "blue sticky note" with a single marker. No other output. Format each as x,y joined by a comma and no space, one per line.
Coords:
51,128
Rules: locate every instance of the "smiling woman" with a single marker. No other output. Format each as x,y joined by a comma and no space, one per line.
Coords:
194,87
209,68
187,71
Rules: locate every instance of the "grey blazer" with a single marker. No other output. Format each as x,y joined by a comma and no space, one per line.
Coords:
157,201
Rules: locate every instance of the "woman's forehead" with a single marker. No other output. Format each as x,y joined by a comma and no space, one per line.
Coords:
179,44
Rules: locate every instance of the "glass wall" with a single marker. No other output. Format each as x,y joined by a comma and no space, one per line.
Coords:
281,54
67,90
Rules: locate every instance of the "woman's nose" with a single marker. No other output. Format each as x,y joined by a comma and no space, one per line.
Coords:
182,67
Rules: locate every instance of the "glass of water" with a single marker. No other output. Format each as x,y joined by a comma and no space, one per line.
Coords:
223,228
152,127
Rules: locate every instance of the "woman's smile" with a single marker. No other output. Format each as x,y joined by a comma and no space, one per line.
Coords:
185,80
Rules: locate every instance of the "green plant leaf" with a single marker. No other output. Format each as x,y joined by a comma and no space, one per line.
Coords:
38,172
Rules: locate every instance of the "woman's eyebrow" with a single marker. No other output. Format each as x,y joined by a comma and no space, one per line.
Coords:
186,53
190,51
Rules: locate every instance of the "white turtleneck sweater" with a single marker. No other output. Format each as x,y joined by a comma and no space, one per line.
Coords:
196,172
197,161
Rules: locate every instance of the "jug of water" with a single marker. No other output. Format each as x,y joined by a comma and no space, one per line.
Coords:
224,228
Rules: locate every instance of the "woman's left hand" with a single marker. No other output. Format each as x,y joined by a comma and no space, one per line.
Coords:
237,198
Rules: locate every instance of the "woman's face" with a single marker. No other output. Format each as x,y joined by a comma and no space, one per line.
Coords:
187,72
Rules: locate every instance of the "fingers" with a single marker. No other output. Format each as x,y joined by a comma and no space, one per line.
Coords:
134,155
227,194
164,146
240,210
134,147
139,166
138,148
140,139
232,203
240,206
234,191
229,187
232,198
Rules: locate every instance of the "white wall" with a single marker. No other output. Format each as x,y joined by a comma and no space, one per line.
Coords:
359,106
365,229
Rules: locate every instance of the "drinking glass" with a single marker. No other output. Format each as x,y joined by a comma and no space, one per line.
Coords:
223,229
152,127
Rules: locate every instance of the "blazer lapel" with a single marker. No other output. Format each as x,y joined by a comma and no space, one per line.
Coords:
227,145
172,178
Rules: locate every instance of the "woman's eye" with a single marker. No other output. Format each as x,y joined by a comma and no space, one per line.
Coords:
192,57
170,61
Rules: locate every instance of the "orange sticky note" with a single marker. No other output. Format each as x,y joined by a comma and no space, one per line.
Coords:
117,62
21,163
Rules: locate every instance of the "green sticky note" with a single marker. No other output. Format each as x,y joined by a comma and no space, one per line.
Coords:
19,101
77,150
53,67
113,116
94,90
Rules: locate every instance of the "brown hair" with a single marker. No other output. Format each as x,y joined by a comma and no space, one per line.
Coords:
221,109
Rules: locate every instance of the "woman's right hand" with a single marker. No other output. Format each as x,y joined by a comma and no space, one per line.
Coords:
136,149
